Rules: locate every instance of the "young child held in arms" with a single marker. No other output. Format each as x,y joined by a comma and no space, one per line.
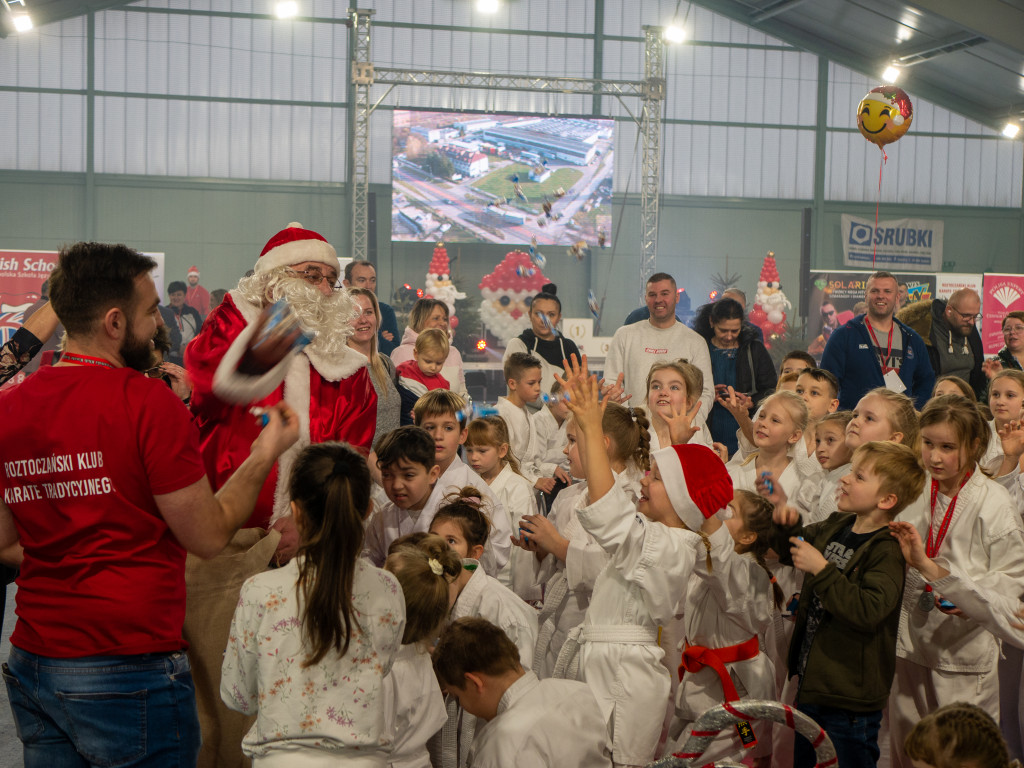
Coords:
442,414
616,650
489,455
422,374
728,609
966,535
409,472
311,641
464,525
522,377
523,721
844,645
425,567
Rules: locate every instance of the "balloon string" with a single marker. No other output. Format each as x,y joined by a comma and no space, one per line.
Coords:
881,164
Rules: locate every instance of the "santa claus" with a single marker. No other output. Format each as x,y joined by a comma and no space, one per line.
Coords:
326,384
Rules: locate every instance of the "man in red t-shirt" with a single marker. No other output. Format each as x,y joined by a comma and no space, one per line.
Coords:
104,491
327,383
196,296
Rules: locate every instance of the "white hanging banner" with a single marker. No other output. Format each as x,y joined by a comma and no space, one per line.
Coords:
894,245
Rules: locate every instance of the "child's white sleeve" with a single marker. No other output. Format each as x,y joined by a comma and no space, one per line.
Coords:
239,673
656,558
584,560
375,544
995,612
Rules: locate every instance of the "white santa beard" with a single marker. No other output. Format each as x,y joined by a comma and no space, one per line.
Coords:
327,316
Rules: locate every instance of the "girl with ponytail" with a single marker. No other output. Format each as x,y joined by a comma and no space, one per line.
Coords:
414,709
311,642
728,609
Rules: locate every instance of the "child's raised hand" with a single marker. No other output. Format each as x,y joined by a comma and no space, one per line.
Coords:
785,516
680,423
734,402
615,392
583,396
722,451
1011,436
805,557
910,543
991,367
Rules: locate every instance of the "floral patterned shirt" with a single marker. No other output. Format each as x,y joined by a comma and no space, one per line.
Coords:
336,705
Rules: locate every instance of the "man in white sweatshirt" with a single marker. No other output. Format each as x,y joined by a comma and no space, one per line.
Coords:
635,348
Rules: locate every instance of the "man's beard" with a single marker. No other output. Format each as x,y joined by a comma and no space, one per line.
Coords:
136,353
329,316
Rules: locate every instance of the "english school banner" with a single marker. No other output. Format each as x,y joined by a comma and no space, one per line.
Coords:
896,245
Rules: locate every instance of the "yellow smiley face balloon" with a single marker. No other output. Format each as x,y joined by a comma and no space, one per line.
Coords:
884,114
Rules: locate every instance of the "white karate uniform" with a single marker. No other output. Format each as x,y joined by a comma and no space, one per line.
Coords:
817,496
413,707
940,658
642,587
993,457
567,586
543,723
522,435
335,706
517,498
744,474
551,442
485,597
726,607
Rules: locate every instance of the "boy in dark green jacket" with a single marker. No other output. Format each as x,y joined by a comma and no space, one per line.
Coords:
844,644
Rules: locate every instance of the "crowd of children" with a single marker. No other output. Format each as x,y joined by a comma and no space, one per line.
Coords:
595,575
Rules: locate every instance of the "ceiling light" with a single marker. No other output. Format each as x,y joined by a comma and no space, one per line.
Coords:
23,22
286,9
674,34
891,74
1010,130
487,6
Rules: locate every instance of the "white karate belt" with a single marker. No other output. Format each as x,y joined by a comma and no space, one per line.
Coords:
568,664
553,599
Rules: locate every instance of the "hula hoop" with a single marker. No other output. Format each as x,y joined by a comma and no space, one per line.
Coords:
720,717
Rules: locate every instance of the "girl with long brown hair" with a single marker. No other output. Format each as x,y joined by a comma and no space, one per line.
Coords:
311,641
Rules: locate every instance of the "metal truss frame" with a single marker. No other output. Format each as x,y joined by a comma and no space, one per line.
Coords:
650,91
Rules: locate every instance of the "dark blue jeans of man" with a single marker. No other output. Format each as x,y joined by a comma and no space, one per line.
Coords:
854,735
109,711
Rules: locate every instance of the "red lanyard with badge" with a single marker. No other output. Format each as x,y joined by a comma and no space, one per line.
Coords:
931,548
884,361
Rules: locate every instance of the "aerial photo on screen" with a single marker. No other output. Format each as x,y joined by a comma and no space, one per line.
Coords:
508,179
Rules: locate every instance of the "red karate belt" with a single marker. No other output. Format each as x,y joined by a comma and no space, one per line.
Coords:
696,657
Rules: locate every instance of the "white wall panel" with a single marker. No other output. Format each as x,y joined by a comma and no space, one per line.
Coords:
49,57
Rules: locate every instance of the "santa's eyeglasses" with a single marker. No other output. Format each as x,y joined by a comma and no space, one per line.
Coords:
315,277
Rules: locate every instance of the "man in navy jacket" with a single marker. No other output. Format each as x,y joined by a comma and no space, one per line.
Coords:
863,350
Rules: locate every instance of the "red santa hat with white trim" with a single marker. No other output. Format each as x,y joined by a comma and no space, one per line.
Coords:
696,480
295,245
193,270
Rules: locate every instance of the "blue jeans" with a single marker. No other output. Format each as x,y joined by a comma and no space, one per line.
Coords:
108,711
854,735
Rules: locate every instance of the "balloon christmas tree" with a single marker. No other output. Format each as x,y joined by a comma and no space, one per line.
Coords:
770,303
439,284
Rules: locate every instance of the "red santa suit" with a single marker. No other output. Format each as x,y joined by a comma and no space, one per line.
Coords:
334,399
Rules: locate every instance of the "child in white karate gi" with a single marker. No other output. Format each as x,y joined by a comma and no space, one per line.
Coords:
652,556
566,559
425,566
463,524
967,533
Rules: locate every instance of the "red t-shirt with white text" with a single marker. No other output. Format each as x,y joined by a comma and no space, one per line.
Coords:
85,449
